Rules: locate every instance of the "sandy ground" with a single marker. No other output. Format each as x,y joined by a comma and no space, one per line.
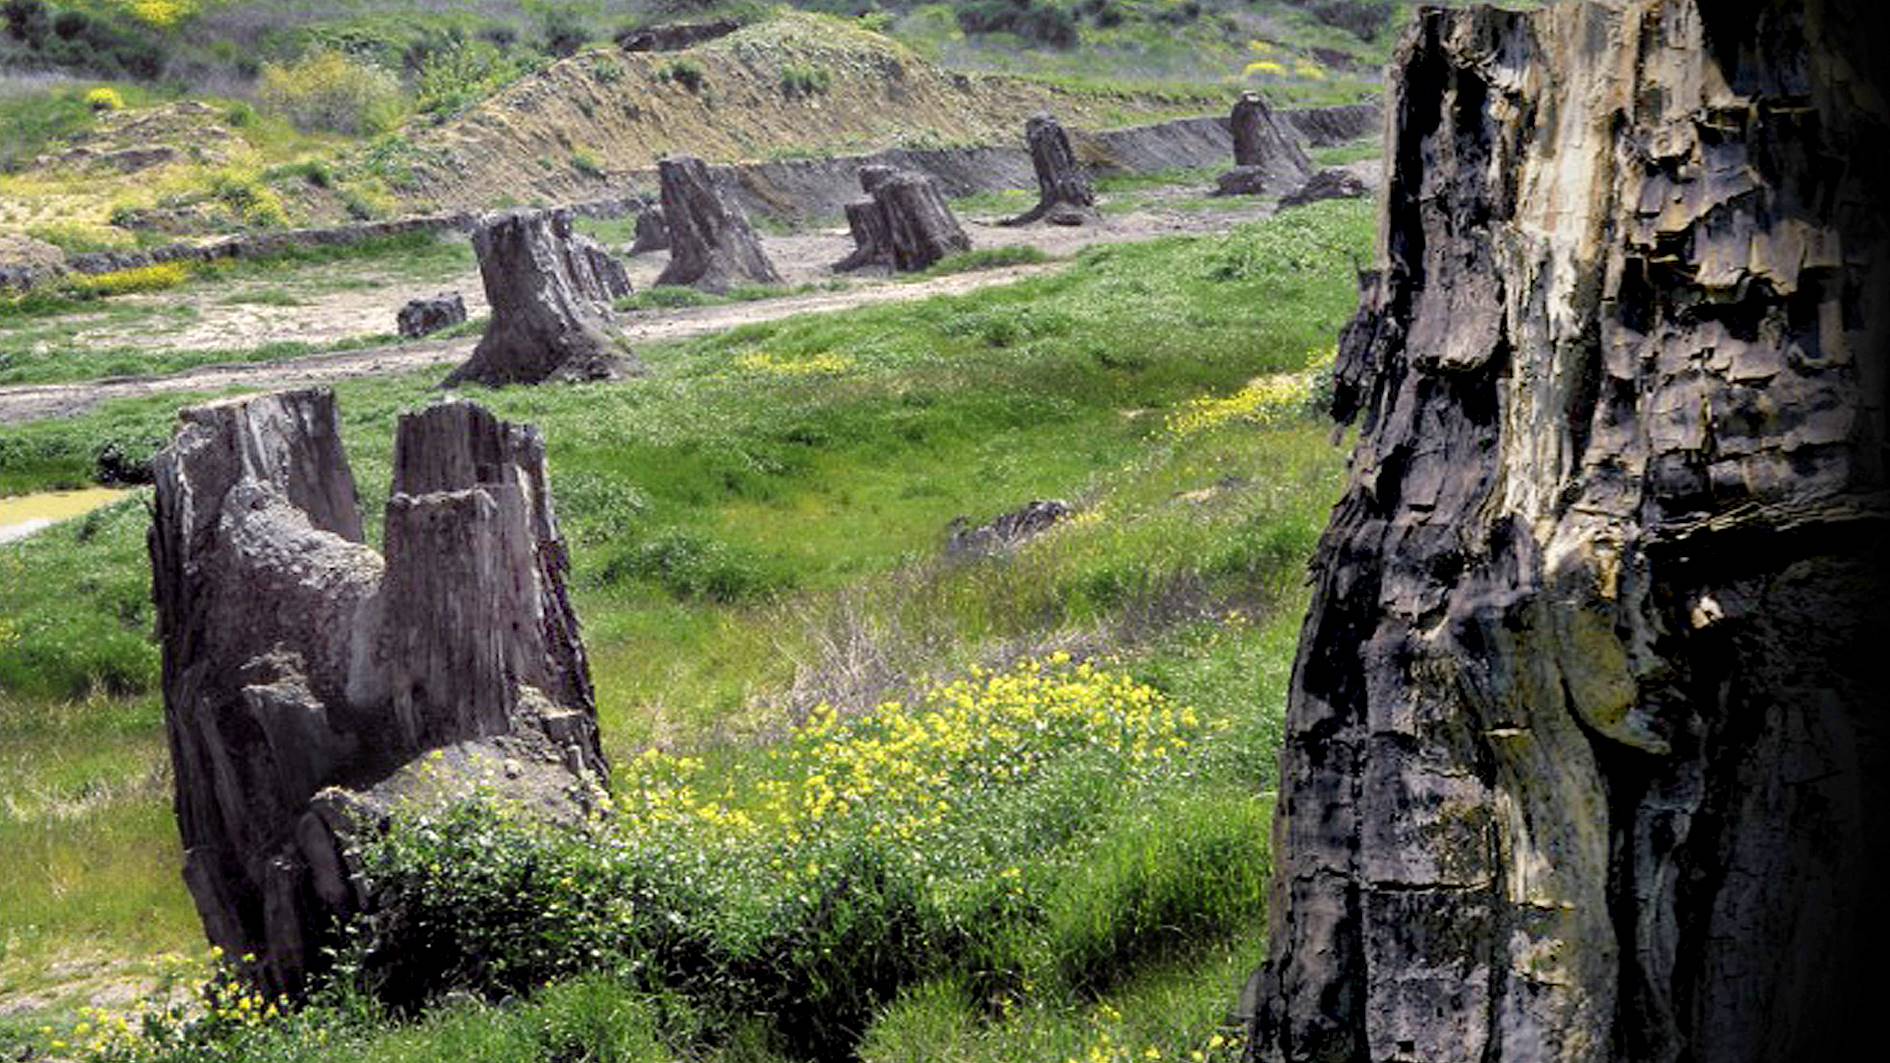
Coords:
367,306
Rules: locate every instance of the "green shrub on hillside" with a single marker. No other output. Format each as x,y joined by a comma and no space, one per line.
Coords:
799,80
454,78
685,72
98,40
328,90
1042,21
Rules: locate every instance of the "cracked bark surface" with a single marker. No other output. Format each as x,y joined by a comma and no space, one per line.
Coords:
305,675
549,289
1585,748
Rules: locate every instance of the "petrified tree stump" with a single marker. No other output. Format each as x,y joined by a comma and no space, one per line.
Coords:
305,675
1267,156
652,232
711,244
1586,744
906,224
423,317
548,289
1330,183
1064,194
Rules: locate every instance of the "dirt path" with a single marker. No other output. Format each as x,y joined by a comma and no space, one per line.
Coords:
24,403
803,258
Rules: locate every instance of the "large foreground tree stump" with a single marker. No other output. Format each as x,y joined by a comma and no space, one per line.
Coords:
906,224
711,244
1064,193
305,675
548,289
1267,157
1586,744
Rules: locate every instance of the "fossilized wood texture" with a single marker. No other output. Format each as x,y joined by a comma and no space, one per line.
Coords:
423,317
549,289
1585,745
1267,157
652,232
1326,184
305,675
906,224
711,244
1064,193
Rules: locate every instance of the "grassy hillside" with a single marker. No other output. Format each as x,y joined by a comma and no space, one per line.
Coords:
757,532
135,121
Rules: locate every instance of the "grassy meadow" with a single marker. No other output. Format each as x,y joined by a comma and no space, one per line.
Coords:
871,798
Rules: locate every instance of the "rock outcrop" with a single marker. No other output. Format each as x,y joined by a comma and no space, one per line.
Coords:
306,677
1330,183
711,244
904,223
1034,518
1064,193
1585,754
1267,157
549,290
423,317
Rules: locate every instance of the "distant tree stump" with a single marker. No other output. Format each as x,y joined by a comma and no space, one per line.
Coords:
712,246
1064,193
652,232
1267,156
422,317
548,290
305,675
1326,184
906,224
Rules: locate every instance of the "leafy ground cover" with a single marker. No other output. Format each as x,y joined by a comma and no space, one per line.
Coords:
757,531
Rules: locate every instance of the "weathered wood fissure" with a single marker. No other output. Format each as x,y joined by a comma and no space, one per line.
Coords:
1586,743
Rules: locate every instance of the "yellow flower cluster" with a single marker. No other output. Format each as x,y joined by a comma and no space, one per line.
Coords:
1263,66
902,770
142,279
1264,401
162,13
824,364
104,98
186,998
1105,1048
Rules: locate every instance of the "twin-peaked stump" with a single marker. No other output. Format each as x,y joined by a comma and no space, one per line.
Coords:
311,684
904,224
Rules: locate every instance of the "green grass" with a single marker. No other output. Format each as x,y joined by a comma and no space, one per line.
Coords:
52,336
1340,154
985,258
756,527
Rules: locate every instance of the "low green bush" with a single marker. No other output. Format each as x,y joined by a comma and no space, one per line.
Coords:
327,89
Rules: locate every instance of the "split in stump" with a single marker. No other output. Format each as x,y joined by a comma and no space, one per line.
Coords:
906,224
311,685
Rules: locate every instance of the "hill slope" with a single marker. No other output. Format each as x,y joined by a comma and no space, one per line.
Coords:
793,85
